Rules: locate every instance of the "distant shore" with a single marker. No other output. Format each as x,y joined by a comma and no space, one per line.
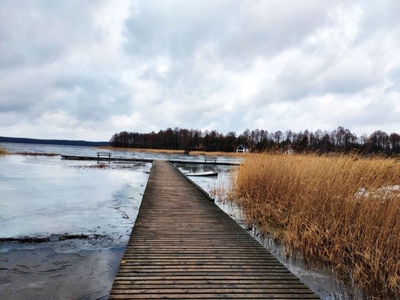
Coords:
4,139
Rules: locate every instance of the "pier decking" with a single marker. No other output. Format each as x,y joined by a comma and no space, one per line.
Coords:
184,247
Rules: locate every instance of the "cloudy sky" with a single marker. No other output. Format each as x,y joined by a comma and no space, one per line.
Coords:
88,69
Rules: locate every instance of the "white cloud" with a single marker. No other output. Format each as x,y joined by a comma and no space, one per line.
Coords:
86,70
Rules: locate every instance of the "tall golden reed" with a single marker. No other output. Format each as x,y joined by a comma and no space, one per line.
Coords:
3,151
341,211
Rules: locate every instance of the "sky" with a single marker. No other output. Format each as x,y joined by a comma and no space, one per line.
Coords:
88,69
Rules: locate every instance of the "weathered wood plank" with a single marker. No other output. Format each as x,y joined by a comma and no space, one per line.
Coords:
209,278
215,296
223,290
209,282
184,247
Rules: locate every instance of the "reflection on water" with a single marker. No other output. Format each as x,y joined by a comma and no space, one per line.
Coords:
48,197
41,196
321,281
44,196
212,185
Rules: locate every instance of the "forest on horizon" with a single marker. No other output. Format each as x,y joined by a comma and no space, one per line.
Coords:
340,140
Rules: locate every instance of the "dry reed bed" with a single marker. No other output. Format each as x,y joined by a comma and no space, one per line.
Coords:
36,153
5,152
341,211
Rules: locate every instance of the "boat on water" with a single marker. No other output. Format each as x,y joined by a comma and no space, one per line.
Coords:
209,173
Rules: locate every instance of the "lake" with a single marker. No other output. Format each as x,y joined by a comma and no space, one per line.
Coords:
64,224
69,221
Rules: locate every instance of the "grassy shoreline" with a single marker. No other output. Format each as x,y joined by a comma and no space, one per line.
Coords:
339,211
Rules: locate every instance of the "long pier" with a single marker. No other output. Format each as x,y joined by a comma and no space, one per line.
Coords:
184,247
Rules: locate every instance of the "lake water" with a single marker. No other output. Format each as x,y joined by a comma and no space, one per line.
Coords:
46,197
43,196
82,214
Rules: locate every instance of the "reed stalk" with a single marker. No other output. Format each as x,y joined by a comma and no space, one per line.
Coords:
339,211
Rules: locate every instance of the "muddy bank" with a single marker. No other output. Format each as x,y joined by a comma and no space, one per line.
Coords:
53,238
57,270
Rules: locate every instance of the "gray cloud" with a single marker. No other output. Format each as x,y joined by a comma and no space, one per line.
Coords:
89,69
177,28
37,32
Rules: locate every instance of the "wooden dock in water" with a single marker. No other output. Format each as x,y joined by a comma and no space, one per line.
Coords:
184,247
206,161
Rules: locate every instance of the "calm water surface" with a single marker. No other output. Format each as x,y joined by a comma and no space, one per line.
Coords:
44,196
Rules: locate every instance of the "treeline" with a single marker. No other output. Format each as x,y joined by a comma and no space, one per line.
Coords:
4,139
339,140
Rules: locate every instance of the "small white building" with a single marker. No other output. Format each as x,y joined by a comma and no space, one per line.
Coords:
288,150
242,149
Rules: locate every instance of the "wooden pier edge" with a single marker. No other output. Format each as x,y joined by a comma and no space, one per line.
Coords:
184,247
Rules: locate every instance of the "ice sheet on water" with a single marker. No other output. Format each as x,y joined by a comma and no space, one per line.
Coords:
41,196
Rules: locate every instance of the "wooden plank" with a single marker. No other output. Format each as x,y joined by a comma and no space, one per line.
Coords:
184,247
210,282
174,290
215,296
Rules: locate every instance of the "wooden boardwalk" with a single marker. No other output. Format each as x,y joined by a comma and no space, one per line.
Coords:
184,247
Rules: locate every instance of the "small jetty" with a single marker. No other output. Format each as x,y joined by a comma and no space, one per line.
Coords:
184,247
